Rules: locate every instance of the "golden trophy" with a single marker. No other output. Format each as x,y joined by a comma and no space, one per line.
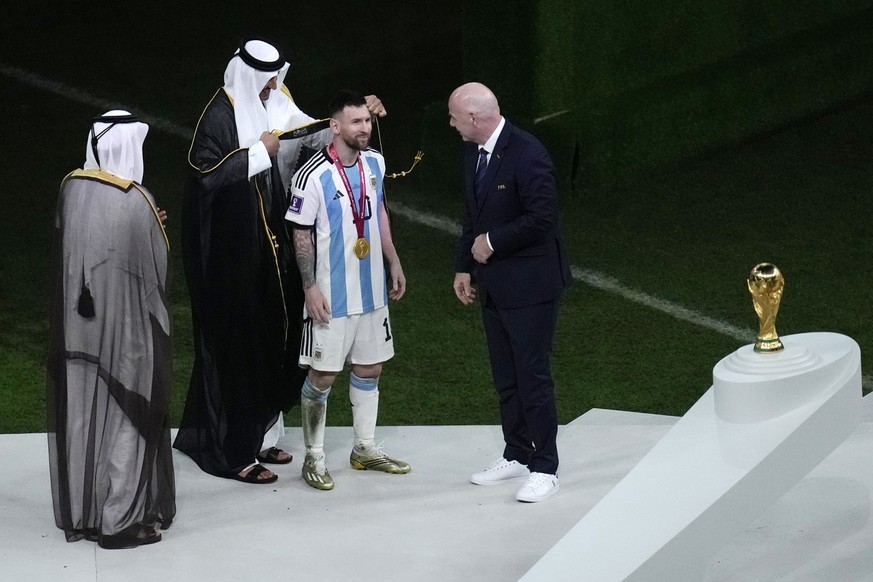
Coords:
766,284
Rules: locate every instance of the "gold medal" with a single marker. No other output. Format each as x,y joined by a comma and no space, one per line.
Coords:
362,248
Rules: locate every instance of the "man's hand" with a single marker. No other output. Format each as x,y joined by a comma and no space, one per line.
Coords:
464,288
480,249
398,281
162,215
271,142
374,105
316,305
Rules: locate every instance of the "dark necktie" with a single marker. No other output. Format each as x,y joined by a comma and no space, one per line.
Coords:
480,169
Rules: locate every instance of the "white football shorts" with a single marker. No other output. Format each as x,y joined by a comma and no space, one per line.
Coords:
355,339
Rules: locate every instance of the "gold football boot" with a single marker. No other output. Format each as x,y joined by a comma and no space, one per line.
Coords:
315,473
373,459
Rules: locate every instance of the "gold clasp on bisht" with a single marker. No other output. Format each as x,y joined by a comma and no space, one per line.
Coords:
418,157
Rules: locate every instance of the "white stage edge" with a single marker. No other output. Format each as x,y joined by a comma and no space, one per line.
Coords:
767,421
431,525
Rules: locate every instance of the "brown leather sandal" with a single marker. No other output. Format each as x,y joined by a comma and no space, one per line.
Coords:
272,456
252,476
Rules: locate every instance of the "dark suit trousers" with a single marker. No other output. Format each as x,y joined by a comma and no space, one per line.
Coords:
520,347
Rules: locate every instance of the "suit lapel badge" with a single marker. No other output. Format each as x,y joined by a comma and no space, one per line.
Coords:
501,186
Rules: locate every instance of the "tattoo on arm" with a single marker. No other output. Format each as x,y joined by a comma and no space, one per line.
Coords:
304,251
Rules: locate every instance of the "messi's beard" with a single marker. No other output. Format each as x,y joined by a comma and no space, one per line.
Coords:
357,144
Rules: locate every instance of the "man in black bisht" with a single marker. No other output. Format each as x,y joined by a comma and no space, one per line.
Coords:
245,310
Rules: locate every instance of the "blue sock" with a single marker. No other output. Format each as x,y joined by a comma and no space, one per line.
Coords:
365,384
312,393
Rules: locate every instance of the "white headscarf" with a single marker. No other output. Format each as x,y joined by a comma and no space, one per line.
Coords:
244,83
119,145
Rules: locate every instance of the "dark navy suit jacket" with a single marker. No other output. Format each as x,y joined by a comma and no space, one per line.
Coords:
517,204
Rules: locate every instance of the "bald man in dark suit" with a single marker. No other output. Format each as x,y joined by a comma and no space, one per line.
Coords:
511,249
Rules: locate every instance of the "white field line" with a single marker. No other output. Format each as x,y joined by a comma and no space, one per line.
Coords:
441,223
550,116
598,281
611,285
99,104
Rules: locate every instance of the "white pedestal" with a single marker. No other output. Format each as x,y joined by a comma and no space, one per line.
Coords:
765,423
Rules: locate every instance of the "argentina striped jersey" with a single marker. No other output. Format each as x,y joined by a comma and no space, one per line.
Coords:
319,199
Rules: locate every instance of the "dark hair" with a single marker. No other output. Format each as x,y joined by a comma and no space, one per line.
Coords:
343,99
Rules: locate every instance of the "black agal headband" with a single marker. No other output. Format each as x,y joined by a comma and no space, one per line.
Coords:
256,63
111,120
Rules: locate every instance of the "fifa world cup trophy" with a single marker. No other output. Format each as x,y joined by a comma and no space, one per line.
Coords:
766,284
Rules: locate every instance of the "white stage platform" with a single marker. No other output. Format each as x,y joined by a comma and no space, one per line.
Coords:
432,524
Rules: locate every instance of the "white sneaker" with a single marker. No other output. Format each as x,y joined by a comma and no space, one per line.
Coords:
539,487
500,471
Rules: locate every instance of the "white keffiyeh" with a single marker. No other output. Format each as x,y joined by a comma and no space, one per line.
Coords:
244,84
119,146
